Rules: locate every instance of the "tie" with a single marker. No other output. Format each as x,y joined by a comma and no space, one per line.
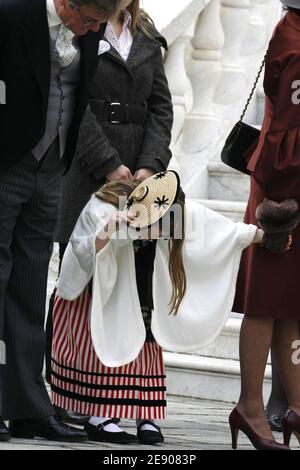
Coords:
66,51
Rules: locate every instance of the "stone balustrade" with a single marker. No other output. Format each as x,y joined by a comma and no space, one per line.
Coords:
215,50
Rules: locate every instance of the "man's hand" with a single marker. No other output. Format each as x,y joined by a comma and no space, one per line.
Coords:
122,173
143,174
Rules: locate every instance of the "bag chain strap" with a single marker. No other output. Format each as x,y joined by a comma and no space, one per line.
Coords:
253,88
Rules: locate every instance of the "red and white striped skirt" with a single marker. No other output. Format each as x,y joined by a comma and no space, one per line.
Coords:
81,383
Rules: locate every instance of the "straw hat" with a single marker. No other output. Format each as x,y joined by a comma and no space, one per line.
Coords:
153,198
291,3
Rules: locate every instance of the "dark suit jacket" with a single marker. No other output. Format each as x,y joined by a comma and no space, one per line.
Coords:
25,69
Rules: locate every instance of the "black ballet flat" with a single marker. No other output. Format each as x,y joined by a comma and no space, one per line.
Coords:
98,434
149,437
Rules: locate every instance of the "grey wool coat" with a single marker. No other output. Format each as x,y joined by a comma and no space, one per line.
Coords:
103,146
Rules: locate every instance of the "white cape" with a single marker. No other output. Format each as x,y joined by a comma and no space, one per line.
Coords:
211,256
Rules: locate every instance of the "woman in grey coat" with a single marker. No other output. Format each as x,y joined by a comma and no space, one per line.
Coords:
140,85
125,135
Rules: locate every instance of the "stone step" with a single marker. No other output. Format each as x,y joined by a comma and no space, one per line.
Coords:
232,209
206,377
226,183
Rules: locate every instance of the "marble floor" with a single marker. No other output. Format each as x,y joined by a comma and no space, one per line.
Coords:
191,425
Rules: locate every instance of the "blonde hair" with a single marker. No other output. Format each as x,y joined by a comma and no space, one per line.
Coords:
111,193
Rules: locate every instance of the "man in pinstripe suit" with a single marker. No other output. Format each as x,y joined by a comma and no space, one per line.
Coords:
48,54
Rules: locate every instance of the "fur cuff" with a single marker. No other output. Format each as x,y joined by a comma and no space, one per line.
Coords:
278,217
275,242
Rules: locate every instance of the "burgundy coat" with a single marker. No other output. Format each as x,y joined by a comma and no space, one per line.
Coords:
268,284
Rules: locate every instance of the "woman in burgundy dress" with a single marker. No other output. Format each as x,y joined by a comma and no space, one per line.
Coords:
268,284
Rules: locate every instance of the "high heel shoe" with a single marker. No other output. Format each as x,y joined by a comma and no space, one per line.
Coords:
291,425
238,423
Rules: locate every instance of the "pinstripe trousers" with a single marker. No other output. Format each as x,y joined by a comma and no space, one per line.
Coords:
29,196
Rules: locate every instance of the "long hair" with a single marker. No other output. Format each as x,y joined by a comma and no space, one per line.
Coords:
176,267
140,19
111,193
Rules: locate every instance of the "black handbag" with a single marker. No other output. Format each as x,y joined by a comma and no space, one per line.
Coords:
241,138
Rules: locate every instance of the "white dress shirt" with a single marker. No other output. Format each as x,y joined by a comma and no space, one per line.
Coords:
54,21
123,43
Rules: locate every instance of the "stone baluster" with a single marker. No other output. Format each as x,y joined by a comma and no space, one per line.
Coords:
235,18
201,125
271,12
179,83
252,53
255,38
264,16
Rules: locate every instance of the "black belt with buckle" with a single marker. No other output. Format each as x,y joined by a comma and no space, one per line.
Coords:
119,113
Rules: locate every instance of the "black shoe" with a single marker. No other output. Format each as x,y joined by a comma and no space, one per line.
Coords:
49,427
71,416
149,437
275,422
76,418
98,434
4,432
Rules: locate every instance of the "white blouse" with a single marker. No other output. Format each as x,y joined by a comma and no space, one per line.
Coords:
123,43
